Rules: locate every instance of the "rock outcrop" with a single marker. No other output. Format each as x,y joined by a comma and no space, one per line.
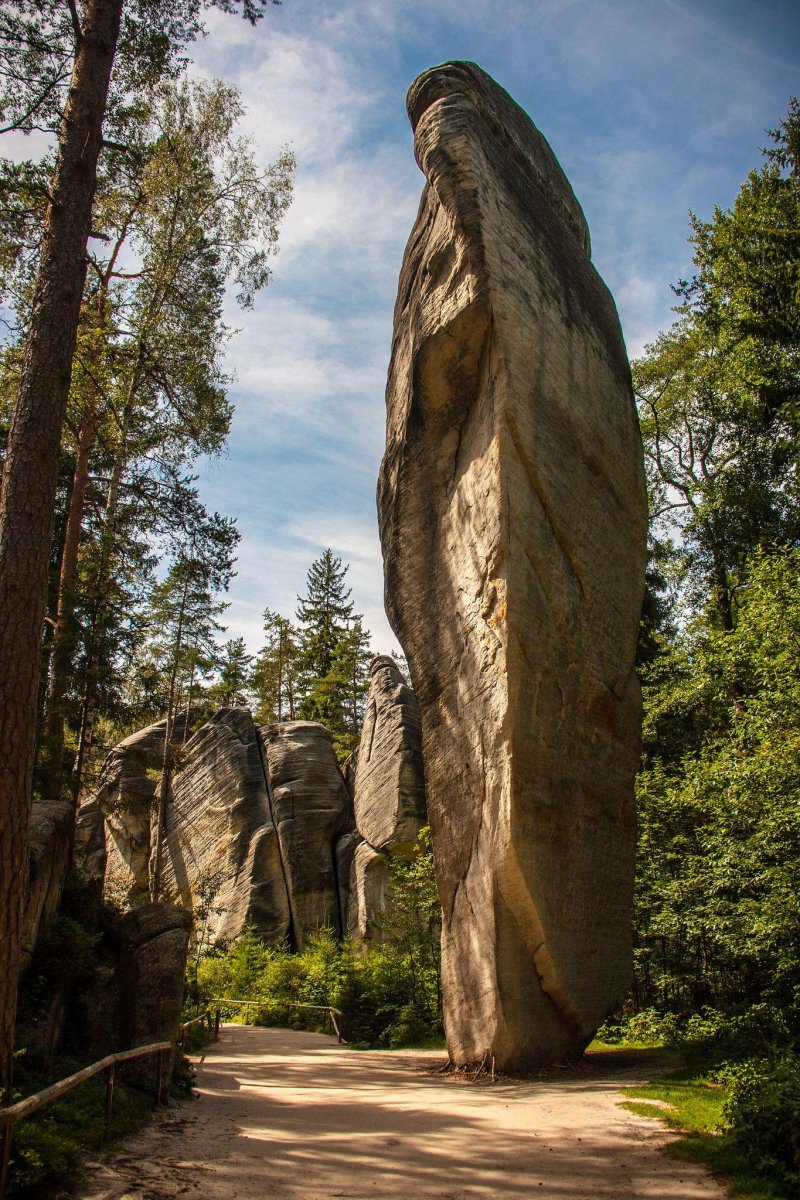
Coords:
311,808
367,892
49,836
389,786
222,849
139,998
126,800
259,828
513,518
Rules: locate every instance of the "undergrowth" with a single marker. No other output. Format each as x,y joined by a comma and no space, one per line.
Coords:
49,1146
736,1100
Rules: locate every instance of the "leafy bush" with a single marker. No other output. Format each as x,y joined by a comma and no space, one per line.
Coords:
762,1115
49,1146
647,1027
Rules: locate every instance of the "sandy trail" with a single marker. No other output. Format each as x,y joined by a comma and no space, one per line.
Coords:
293,1116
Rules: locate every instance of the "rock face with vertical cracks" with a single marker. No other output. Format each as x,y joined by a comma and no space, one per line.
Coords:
513,520
126,799
389,789
220,835
311,808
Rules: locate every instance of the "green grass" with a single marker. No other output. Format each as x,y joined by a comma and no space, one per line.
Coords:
696,1110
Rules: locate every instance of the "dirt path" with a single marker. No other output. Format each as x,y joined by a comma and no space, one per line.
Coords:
293,1116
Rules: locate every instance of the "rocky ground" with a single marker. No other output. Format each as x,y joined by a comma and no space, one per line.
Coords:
294,1116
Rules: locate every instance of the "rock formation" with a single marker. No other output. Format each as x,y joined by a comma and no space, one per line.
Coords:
513,518
369,882
389,786
126,798
49,835
388,794
221,840
311,807
258,830
139,998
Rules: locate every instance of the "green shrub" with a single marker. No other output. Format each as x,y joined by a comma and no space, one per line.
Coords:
49,1146
647,1027
761,1114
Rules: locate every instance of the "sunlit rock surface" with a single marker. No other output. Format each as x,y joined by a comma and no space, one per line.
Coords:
389,787
222,851
513,519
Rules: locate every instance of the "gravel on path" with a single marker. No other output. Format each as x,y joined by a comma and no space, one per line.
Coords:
283,1115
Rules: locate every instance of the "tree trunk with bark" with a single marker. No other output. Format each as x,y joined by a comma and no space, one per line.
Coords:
53,768
31,470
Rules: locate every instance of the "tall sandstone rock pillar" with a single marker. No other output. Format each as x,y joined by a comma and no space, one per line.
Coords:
513,521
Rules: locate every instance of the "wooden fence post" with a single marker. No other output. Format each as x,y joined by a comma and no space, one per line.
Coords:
109,1099
5,1156
159,1076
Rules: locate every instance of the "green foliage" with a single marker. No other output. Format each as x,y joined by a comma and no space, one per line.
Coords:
275,679
49,1146
761,1115
231,688
741,1122
388,990
717,903
718,392
319,670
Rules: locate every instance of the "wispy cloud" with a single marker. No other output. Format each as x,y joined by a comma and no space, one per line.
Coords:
652,108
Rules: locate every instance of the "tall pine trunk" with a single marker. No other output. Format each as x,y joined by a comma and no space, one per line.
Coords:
53,767
107,539
31,470
166,766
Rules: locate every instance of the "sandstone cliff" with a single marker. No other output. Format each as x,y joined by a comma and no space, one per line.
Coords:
389,785
255,834
513,519
311,808
388,794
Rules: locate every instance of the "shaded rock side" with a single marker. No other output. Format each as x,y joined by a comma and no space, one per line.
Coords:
343,852
389,787
513,521
310,807
221,846
140,998
369,881
49,848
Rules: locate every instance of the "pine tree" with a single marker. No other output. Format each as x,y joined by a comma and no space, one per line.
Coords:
348,685
325,614
275,677
334,654
232,686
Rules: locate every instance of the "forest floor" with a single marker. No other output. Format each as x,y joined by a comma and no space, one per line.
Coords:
283,1115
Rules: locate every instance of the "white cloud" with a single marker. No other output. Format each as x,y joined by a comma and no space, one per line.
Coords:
648,108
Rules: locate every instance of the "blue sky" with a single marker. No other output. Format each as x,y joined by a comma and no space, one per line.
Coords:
652,107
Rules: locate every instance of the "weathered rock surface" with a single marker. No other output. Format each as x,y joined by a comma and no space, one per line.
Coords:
389,788
49,836
126,798
369,880
311,807
220,836
140,998
343,853
513,518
